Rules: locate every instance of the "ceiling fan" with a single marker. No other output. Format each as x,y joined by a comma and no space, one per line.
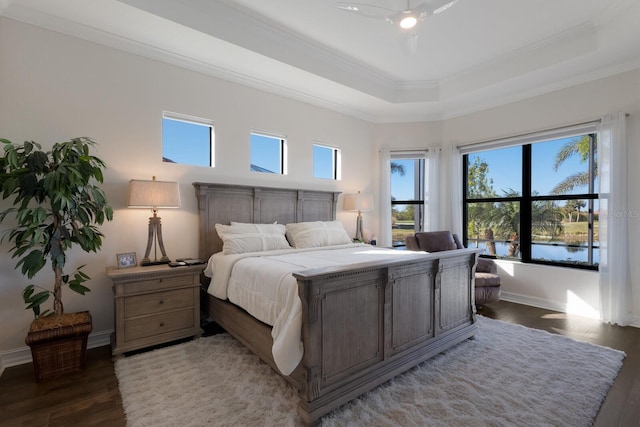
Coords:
406,18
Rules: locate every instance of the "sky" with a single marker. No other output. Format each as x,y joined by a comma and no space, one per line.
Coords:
402,186
187,149
505,167
265,152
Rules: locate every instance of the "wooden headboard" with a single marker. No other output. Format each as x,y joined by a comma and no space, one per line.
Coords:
223,203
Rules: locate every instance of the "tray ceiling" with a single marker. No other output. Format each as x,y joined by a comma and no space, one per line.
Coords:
475,55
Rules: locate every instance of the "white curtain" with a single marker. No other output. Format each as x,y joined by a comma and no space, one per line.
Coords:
384,228
444,190
614,271
432,190
451,189
432,209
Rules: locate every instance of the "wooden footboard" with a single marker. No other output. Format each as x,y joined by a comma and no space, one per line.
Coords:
364,325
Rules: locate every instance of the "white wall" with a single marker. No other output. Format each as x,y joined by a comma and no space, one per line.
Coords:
54,87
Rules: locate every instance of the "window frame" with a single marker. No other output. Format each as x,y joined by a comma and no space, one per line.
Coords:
193,120
527,198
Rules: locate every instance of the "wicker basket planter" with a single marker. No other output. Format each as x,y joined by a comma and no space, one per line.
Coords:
59,344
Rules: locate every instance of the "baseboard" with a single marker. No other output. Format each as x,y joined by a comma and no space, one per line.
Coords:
533,301
549,305
22,355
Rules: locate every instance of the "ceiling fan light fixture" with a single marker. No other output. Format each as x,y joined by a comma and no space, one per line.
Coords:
406,19
408,22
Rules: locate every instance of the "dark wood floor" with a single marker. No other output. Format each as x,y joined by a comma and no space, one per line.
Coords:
88,398
91,398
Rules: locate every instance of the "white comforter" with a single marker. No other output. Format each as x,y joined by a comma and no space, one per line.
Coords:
262,284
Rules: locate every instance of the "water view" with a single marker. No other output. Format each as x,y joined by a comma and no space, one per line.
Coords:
547,252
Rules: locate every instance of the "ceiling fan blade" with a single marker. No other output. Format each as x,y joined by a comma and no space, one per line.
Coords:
364,9
433,7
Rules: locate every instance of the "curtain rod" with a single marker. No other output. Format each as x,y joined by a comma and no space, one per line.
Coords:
529,134
526,135
407,150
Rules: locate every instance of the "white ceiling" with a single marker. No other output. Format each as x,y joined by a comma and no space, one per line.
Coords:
475,55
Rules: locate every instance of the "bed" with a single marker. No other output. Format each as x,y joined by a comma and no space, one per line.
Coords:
361,324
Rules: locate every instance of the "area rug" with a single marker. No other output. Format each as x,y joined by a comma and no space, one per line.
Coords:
508,375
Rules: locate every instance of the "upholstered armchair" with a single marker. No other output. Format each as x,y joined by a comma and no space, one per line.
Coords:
487,279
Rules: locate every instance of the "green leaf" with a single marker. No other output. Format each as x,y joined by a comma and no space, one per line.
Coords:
76,287
32,263
28,291
37,299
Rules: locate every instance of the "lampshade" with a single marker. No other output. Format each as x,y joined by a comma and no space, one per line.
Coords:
153,194
357,202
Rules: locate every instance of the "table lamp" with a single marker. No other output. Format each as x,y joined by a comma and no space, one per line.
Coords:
358,202
154,195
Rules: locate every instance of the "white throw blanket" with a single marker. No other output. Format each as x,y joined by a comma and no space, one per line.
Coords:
262,284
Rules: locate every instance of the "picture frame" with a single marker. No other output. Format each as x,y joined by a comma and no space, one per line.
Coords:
126,260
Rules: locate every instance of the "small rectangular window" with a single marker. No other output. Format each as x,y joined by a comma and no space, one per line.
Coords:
268,153
326,162
187,140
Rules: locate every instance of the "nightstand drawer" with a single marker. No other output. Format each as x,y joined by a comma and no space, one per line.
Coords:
158,324
157,284
158,302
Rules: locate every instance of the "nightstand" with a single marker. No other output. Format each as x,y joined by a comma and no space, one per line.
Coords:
154,305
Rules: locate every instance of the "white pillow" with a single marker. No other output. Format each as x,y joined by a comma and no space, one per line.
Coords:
239,238
318,233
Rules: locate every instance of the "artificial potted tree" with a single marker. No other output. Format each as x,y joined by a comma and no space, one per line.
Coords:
56,206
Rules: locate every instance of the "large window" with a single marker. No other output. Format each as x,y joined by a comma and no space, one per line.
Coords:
536,201
268,153
188,140
407,195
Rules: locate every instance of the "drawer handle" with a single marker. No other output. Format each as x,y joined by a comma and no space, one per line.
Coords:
161,302
161,324
160,280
